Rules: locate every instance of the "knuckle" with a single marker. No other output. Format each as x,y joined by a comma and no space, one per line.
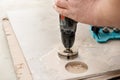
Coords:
65,13
58,2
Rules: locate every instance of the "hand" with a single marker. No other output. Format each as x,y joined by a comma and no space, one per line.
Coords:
94,12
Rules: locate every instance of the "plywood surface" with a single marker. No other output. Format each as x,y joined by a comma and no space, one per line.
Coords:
37,31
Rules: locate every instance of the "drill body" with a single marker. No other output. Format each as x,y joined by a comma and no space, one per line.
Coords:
68,29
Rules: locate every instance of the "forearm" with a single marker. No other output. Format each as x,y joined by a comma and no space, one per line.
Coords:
93,12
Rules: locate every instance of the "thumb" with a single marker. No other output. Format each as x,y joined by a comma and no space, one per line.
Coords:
62,4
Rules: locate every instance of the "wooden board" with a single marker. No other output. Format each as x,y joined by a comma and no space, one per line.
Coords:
38,34
20,65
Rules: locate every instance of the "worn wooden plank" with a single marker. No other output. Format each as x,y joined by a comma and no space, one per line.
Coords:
21,68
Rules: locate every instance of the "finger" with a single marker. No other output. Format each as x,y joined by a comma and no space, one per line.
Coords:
62,3
61,11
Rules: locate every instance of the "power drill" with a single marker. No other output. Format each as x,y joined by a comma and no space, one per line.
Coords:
68,29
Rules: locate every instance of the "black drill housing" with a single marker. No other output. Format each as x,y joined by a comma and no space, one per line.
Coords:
68,29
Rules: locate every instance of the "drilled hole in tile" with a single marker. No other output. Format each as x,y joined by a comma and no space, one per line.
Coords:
76,67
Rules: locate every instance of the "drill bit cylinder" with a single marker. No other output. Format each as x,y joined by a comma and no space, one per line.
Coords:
68,29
